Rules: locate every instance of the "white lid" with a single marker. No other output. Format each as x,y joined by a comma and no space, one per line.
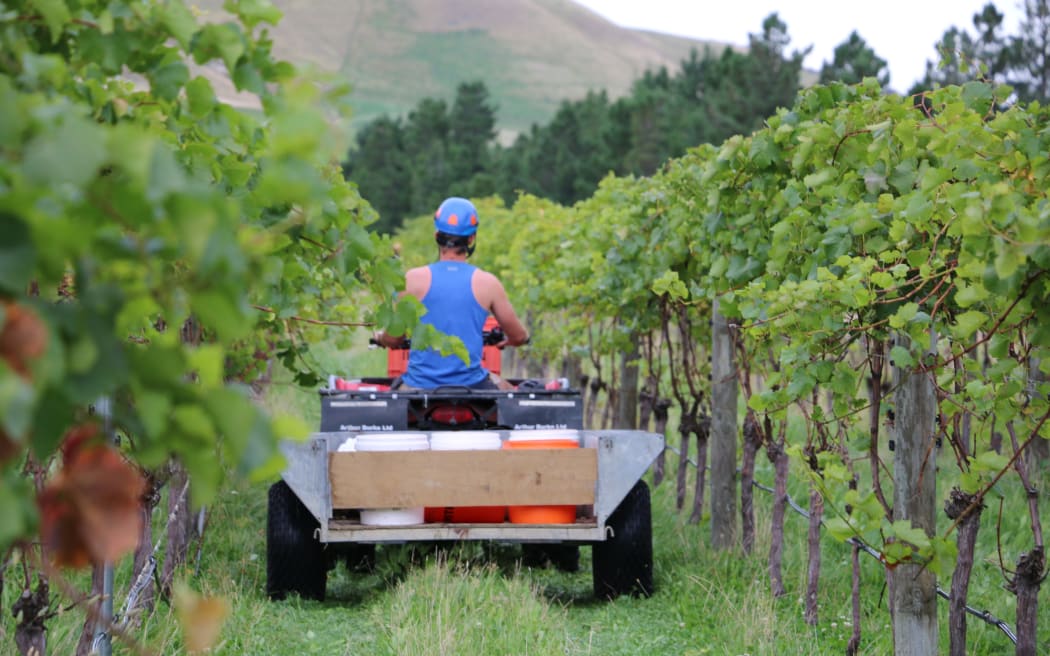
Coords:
551,434
347,445
465,440
392,516
392,442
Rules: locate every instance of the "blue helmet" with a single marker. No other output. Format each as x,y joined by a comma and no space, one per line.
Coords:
456,216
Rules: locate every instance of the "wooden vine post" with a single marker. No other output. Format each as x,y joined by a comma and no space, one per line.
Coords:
724,391
914,589
627,409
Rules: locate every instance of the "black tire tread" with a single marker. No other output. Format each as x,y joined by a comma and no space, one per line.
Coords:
623,563
295,559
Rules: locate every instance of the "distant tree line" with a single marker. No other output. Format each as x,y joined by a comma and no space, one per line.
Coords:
405,166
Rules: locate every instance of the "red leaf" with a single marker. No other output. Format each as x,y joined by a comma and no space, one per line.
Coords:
90,511
22,338
59,528
75,439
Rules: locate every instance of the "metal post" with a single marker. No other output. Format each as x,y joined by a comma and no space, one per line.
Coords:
102,644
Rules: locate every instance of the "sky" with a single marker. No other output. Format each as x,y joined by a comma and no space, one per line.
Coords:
903,32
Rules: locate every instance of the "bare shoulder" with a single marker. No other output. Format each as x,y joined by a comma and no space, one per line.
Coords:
417,281
487,280
488,290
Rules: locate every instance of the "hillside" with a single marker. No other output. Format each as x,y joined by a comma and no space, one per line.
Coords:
531,54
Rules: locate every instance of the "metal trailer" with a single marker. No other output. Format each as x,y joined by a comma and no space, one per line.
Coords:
314,510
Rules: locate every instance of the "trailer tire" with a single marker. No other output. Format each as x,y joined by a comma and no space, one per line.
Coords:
623,563
295,559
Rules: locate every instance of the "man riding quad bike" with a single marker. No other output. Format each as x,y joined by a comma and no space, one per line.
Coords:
458,299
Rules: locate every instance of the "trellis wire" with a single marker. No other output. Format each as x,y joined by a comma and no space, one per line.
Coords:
983,615
150,565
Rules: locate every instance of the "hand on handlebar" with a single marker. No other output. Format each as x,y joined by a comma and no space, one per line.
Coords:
382,341
494,337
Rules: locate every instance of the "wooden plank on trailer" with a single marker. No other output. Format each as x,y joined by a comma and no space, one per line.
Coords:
407,479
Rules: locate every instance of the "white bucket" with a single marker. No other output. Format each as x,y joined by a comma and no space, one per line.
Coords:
551,434
465,441
391,442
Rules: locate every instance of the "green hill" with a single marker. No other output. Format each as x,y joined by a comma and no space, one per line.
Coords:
531,54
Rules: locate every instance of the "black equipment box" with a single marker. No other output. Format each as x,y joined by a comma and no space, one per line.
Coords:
373,407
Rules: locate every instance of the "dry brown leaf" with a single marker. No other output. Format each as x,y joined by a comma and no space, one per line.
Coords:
90,511
201,618
23,337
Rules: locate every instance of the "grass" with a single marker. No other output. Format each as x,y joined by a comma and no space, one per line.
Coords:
478,599
449,608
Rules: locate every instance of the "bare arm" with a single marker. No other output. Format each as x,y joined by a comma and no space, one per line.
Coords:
492,296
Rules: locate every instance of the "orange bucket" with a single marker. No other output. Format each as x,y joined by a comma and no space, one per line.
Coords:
555,439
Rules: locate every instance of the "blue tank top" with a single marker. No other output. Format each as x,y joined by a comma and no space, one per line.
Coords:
452,309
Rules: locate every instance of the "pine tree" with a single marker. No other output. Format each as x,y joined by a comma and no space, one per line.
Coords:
426,143
379,167
854,60
472,129
1030,53
963,56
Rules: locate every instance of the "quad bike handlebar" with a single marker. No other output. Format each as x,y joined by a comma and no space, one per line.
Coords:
488,338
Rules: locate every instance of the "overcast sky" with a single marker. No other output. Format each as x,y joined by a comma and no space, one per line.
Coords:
903,32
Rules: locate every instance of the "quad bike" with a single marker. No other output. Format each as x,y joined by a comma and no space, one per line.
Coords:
316,511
